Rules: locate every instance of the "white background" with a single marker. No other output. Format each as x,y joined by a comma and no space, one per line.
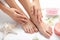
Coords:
21,35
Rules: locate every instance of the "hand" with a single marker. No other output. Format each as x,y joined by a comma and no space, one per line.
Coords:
36,15
18,16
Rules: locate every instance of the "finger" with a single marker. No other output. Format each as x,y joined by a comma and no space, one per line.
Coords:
39,16
21,17
32,11
36,14
40,13
23,21
35,10
19,12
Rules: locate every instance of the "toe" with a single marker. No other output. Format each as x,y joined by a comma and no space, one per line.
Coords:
47,35
35,29
25,29
28,30
31,30
44,33
49,31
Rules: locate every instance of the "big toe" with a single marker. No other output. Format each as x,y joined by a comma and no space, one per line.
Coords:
35,29
49,31
45,34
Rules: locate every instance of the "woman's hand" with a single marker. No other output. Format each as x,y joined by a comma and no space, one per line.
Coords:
17,16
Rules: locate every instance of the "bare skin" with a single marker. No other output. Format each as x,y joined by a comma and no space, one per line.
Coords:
35,13
21,18
14,5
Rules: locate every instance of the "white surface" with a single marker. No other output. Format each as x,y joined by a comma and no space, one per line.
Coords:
21,35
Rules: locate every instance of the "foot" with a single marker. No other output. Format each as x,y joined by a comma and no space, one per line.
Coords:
36,17
45,29
21,18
